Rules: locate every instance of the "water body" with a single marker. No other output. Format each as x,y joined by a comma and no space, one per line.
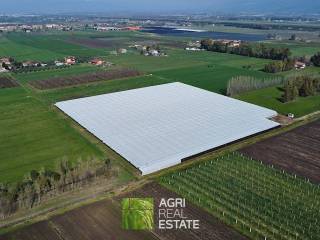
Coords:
204,34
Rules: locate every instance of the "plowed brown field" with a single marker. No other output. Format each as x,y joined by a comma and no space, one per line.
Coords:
296,151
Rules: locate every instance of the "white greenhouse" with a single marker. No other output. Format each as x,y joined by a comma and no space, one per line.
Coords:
157,127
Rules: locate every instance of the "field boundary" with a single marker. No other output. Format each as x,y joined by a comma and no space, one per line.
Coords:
75,80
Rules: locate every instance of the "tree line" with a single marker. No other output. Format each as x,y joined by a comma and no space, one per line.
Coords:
315,59
258,50
300,86
241,84
280,66
43,184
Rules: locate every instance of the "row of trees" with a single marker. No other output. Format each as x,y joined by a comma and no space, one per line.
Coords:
241,84
300,86
280,66
38,69
38,185
259,50
315,59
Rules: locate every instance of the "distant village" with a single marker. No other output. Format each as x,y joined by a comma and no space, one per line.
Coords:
28,28
8,64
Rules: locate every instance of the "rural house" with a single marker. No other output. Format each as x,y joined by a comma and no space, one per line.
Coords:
97,61
299,65
70,60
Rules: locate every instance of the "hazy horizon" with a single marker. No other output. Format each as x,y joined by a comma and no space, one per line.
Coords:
163,6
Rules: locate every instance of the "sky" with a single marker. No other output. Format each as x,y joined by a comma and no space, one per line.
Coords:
159,6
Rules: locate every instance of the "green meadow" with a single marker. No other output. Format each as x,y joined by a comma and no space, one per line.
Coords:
270,98
33,135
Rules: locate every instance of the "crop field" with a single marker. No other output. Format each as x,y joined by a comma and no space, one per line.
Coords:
53,43
296,151
178,58
22,52
7,82
271,98
112,43
83,79
57,72
151,64
101,220
107,41
210,227
257,200
225,59
213,78
33,136
56,45
56,95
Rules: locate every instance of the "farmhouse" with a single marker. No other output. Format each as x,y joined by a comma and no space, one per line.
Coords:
5,60
105,29
70,60
230,43
58,63
3,70
133,28
31,64
122,50
158,127
97,61
5,64
299,65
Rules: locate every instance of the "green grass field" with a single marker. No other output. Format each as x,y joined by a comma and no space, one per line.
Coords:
54,44
270,98
33,136
22,52
210,77
259,201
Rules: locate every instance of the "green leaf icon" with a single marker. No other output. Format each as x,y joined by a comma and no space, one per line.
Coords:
137,214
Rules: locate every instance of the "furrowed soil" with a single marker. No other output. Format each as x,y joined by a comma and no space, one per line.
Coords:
60,82
296,151
6,82
210,227
101,220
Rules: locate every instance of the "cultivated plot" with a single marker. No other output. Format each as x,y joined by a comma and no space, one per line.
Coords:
101,220
296,151
7,82
58,82
256,200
